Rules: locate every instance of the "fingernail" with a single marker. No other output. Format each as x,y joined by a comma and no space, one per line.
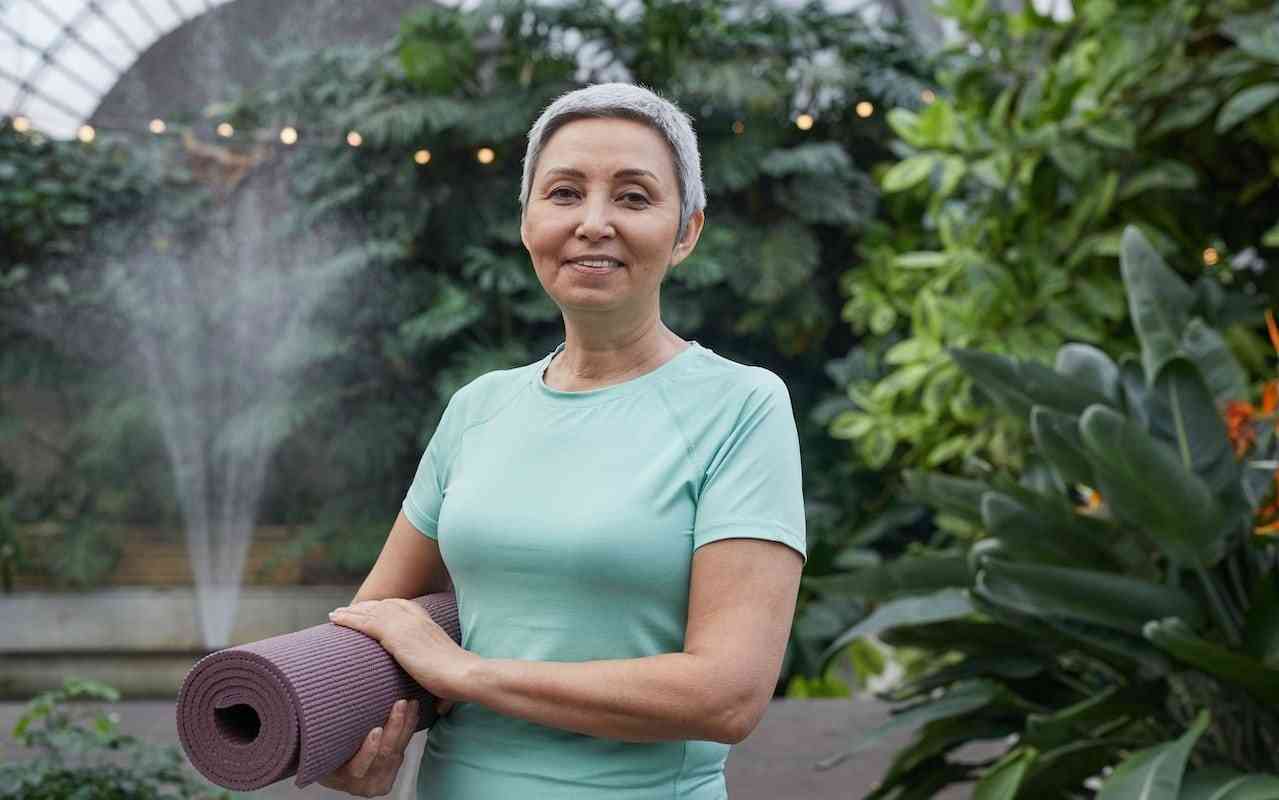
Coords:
377,733
399,706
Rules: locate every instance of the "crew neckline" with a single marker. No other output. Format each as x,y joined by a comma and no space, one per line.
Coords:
603,393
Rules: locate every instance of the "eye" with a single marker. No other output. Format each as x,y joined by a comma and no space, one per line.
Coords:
636,198
562,192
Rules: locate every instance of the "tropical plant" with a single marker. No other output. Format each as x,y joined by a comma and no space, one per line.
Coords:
1121,606
84,755
1006,205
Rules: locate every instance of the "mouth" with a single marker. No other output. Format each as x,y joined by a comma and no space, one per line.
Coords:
599,265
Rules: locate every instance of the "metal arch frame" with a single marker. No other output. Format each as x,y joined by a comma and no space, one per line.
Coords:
68,32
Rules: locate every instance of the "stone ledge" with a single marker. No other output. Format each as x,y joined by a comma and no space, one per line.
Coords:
146,620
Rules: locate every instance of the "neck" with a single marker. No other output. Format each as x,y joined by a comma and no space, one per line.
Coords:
604,355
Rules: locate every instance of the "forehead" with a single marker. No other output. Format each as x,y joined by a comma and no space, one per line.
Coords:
607,145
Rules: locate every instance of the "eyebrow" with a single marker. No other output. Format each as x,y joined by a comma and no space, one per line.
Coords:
631,172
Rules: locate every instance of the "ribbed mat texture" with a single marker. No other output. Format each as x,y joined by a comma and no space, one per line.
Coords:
300,703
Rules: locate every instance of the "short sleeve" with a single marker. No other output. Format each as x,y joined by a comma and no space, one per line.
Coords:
753,486
422,502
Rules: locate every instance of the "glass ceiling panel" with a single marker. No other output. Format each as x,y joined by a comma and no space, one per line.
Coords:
59,57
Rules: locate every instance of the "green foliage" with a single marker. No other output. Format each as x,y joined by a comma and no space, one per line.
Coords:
1096,630
85,756
1005,207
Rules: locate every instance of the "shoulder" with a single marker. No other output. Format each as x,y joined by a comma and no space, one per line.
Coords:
486,396
710,385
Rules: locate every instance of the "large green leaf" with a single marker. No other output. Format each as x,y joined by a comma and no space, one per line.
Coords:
961,699
1158,300
1249,102
1220,783
1020,385
1154,773
1208,349
958,496
1067,767
1261,635
1041,533
1059,442
1185,416
906,575
1113,601
987,665
1091,367
942,605
1102,711
1145,485
1002,780
1178,639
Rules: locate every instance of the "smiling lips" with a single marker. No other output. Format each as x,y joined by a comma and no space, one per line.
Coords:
594,265
596,261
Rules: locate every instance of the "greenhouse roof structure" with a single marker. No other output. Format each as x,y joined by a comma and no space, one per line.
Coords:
59,59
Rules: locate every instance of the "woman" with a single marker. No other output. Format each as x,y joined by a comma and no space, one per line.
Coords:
622,521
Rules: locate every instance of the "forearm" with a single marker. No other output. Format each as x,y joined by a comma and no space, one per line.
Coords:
672,696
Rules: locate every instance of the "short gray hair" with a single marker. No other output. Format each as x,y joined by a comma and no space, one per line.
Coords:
625,101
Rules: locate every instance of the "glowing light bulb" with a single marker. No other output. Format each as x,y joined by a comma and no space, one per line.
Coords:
865,108
21,124
85,133
157,126
225,130
354,139
289,135
804,122
422,156
485,155
1211,256
927,96
739,127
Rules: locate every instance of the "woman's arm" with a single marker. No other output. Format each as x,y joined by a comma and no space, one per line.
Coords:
742,597
408,566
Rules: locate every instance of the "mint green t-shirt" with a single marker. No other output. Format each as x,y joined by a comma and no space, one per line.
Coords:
568,522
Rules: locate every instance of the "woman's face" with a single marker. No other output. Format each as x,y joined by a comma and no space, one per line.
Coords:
605,193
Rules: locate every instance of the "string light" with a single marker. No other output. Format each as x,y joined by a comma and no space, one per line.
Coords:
85,133
865,108
927,96
289,135
1211,256
157,126
225,130
739,127
485,155
804,122
354,139
21,124
422,156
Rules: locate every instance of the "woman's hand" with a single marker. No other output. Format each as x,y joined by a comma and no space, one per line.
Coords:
371,772
414,640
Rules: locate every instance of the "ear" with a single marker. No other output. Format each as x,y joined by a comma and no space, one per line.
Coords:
694,232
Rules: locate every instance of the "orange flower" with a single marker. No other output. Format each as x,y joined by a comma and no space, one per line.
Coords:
1239,426
1272,329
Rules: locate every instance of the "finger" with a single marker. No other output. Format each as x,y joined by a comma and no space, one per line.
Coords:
368,752
394,729
410,725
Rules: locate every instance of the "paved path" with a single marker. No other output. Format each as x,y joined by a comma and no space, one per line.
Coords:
774,763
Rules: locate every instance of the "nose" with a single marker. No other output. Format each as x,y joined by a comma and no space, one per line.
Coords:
596,222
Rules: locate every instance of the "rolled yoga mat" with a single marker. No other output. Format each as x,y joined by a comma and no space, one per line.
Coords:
296,704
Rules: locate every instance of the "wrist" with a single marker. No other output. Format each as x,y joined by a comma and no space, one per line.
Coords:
467,685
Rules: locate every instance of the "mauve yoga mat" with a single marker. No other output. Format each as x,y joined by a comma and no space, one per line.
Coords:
300,703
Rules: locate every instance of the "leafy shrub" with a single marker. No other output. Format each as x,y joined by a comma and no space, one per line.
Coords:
85,757
1122,608
1005,208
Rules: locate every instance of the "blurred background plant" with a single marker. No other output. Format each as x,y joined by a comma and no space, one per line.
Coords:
84,755
1121,609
